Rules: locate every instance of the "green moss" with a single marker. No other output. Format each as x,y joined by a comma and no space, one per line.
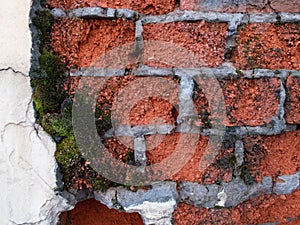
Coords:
226,162
57,126
239,73
55,111
67,153
43,22
47,83
130,157
102,184
246,176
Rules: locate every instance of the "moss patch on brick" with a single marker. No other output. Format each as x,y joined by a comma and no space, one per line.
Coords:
54,111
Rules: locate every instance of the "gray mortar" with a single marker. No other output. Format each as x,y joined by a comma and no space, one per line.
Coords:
234,192
234,19
286,184
35,53
140,151
239,155
127,14
89,12
97,72
58,13
263,18
289,17
138,131
92,12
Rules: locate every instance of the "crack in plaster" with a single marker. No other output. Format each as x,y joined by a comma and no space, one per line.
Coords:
13,70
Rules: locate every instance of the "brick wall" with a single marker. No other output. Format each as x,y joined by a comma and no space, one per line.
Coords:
251,49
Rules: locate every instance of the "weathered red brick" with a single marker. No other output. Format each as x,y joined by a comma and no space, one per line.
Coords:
282,154
249,6
263,209
266,45
292,105
254,153
203,39
271,155
285,6
251,102
80,42
220,169
190,215
155,7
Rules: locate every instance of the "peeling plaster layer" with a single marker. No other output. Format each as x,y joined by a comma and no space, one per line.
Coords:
27,163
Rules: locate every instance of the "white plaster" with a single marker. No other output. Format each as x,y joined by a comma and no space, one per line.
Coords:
15,38
158,213
27,163
222,197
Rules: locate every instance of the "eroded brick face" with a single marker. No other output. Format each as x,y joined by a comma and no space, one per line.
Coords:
155,7
271,155
282,154
292,105
250,6
204,39
251,102
219,169
270,46
81,42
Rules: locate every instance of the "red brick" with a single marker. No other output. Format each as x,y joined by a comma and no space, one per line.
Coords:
282,154
271,155
251,102
203,39
249,6
285,6
270,46
92,212
155,7
263,209
254,154
190,215
81,42
292,105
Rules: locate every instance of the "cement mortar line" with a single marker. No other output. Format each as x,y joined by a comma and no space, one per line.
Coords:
237,131
138,131
236,192
186,114
225,195
234,19
140,149
225,71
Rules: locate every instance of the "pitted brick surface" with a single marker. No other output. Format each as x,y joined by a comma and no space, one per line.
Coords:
205,40
251,102
145,7
81,42
269,46
292,106
249,6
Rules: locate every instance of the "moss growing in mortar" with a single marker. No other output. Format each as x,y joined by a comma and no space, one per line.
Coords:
47,83
54,111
